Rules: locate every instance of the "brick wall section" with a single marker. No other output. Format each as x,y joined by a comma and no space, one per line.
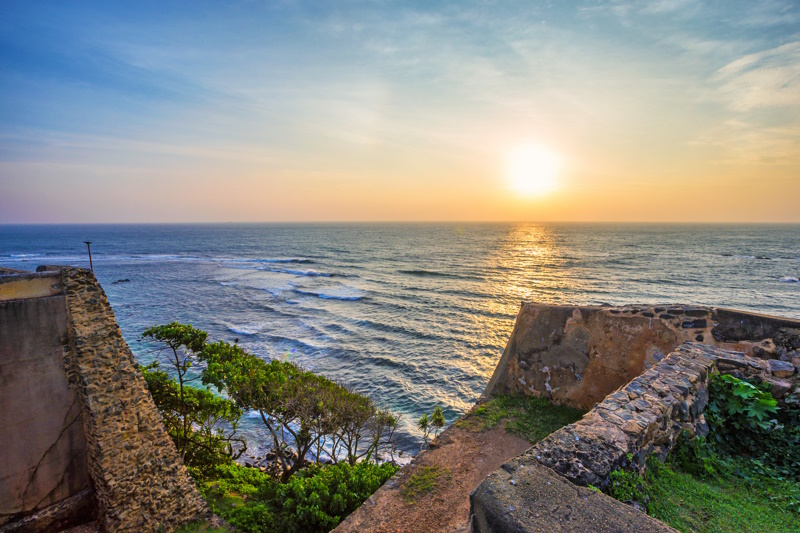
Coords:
140,481
646,416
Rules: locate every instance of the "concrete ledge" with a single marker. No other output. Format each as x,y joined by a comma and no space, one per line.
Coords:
26,286
527,497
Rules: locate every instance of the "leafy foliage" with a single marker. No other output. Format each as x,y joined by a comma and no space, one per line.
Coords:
201,424
431,425
626,486
301,410
746,420
316,499
743,477
210,435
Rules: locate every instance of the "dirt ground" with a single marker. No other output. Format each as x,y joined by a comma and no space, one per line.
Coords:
468,455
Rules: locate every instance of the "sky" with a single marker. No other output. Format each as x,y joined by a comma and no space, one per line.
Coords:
246,111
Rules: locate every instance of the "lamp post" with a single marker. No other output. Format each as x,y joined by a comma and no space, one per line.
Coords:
89,247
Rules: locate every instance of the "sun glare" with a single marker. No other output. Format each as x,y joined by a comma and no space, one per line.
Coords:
533,169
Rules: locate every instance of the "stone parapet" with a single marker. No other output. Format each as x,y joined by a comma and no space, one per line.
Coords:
578,355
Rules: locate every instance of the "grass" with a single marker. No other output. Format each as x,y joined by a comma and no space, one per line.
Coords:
424,481
201,527
528,417
753,503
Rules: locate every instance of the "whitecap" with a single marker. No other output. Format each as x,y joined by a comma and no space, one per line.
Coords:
789,279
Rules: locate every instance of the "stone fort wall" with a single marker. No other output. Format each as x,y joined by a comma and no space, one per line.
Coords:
575,355
87,408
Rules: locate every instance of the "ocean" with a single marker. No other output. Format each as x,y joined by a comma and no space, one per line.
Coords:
413,315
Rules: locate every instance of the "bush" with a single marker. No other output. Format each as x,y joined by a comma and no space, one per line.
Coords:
745,420
314,500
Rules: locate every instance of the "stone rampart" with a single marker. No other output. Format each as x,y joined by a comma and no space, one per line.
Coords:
77,423
579,355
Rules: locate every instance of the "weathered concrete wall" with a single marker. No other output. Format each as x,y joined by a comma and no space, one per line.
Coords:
578,355
139,479
42,446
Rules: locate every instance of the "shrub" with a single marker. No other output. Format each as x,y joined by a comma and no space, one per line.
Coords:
314,500
746,420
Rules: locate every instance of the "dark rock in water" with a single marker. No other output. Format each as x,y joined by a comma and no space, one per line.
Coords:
763,257
699,338
126,280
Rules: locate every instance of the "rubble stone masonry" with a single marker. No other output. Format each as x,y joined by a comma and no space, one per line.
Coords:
139,479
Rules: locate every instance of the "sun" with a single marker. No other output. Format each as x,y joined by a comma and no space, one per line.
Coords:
533,168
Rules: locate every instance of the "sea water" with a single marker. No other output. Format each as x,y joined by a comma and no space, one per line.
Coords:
413,315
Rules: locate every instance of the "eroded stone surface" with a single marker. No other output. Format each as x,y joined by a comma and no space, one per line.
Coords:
526,497
579,355
644,417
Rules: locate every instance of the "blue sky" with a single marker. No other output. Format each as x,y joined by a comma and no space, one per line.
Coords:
257,111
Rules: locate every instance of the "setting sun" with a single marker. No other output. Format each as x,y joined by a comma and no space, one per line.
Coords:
533,168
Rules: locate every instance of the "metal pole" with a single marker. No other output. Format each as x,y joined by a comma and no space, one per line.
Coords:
89,247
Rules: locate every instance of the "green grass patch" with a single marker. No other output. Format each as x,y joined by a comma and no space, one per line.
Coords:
744,477
527,417
724,503
424,481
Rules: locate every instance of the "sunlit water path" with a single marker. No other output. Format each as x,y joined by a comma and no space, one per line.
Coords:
414,315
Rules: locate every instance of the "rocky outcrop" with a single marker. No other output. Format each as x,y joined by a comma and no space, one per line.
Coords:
528,497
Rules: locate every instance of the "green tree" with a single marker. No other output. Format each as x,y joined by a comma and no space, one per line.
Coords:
302,411
211,437
431,425
202,425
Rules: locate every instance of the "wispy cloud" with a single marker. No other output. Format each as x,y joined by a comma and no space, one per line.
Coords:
766,79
